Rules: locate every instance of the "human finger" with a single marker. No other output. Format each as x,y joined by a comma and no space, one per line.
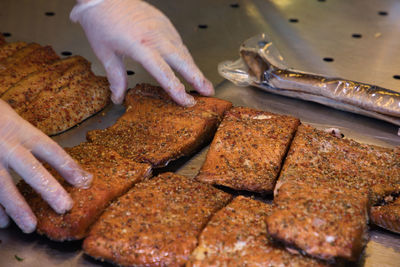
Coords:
181,60
115,69
14,204
160,70
33,172
50,152
4,220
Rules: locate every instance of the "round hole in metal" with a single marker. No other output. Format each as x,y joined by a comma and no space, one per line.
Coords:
66,53
328,59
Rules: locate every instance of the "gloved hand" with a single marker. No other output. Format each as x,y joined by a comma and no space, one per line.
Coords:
134,28
20,144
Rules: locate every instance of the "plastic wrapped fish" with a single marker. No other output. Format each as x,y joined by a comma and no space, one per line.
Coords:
261,65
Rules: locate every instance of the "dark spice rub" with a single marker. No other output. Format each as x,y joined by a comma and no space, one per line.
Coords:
23,62
324,191
248,150
156,223
7,49
112,177
20,95
237,236
156,130
75,96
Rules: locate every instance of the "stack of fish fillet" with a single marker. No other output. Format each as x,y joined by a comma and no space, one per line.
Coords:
51,93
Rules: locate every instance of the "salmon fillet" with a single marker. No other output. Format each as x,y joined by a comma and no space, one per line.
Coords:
237,236
323,193
248,150
25,61
19,55
74,97
156,223
8,49
387,216
112,177
27,89
156,130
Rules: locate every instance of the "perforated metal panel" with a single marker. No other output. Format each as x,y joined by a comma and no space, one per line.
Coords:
358,40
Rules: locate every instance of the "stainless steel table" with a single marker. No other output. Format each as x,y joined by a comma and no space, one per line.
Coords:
358,40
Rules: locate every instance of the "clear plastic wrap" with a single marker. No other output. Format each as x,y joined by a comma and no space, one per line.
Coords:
262,65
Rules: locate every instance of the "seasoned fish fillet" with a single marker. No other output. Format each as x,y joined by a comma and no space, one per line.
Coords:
237,236
156,223
7,49
25,61
387,216
325,222
248,150
112,177
156,130
23,92
323,193
70,100
18,55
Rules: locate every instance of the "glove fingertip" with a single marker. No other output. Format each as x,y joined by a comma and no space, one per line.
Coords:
75,175
187,101
63,203
28,226
205,87
117,99
4,221
85,180
208,88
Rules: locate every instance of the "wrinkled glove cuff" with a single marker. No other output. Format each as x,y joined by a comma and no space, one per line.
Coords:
82,6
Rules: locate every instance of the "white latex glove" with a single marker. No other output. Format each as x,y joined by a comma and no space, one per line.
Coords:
20,145
134,28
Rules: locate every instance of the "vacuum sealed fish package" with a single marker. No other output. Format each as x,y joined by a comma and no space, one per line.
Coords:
262,65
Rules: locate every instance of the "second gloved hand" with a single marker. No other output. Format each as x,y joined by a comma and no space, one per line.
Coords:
20,146
134,28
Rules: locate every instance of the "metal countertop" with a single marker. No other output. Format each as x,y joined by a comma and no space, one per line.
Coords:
362,38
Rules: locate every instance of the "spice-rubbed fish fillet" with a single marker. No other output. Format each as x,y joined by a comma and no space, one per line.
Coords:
156,130
112,176
71,99
23,92
237,236
387,216
325,222
25,61
248,149
7,49
19,55
324,190
156,223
